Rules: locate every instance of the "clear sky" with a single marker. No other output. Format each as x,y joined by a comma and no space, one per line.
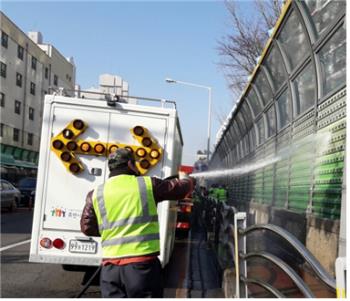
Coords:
143,42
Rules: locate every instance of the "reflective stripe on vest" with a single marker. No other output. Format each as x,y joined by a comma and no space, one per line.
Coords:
128,236
126,221
130,239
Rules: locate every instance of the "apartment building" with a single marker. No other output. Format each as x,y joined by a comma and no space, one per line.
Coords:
29,68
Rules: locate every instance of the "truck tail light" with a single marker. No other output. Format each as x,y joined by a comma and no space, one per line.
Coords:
138,130
58,243
78,124
147,142
74,168
99,148
72,145
145,164
141,152
182,225
113,148
85,147
154,154
57,144
185,209
65,156
46,243
68,134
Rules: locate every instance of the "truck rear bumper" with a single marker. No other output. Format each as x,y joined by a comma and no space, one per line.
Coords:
65,260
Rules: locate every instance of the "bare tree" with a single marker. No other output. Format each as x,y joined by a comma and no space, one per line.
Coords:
240,48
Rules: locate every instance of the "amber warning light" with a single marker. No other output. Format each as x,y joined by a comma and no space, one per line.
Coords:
66,145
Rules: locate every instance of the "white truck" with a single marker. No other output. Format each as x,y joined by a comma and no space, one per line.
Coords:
77,136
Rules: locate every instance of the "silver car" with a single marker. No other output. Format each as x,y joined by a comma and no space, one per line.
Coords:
10,196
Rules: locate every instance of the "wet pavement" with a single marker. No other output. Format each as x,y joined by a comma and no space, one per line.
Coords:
192,271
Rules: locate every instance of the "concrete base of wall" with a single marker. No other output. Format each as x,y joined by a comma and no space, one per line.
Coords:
259,213
322,240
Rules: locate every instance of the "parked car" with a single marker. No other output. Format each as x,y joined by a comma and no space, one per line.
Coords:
10,196
26,186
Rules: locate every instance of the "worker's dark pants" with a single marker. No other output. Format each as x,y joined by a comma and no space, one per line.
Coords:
134,280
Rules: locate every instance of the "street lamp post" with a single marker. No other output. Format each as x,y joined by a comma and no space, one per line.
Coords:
172,81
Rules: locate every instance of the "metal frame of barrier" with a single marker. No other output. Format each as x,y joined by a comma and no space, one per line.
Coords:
233,224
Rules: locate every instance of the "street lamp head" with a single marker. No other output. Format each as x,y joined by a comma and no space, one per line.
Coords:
169,80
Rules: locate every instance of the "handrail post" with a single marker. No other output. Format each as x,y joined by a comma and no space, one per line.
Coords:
340,274
240,222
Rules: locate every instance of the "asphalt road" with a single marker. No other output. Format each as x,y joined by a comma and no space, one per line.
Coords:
23,279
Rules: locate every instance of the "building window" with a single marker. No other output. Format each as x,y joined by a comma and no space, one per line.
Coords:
20,52
31,113
34,63
254,102
15,134
4,39
274,64
46,72
333,61
30,139
284,111
324,12
246,143
293,40
2,99
263,87
55,80
241,122
18,79
32,88
261,130
1,130
252,138
271,121
305,84
17,107
3,70
247,113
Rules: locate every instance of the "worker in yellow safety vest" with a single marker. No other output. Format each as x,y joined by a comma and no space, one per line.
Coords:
212,191
221,194
123,211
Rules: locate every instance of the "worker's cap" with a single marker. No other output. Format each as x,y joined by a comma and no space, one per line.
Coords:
120,157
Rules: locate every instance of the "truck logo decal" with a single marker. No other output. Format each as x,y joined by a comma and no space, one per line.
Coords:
58,212
65,213
66,146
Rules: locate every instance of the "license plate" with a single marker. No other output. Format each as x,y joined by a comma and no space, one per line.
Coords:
79,246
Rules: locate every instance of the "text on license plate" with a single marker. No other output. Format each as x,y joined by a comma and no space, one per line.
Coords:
78,246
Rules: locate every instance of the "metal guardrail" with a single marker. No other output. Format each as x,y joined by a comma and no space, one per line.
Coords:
232,223
298,246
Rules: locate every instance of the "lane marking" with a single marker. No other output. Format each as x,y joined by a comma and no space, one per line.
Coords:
15,245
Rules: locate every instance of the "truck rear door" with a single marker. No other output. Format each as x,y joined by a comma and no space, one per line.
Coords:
122,122
65,192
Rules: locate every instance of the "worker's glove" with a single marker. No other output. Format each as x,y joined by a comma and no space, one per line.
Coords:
185,176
